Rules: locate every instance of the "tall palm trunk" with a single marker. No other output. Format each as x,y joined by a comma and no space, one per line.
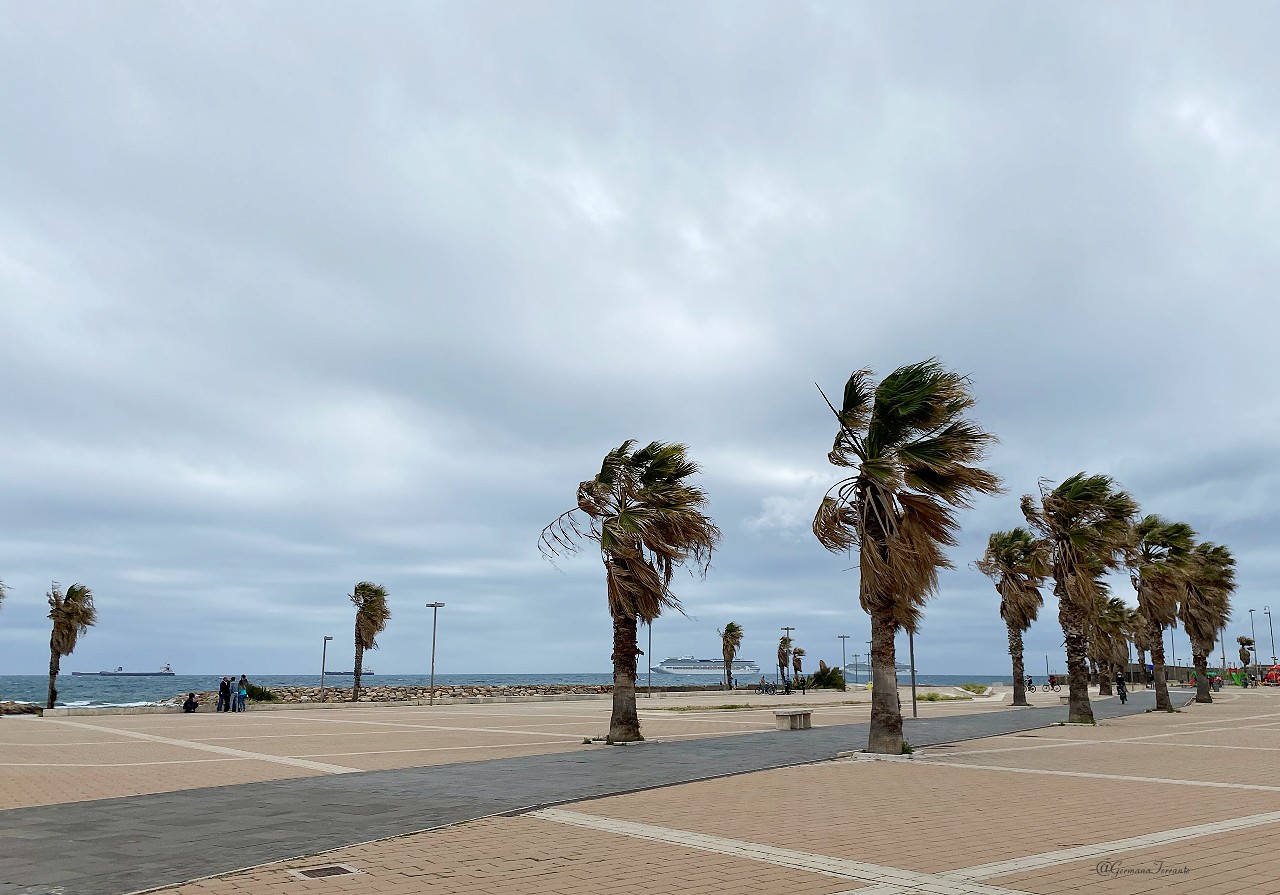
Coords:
1156,633
1103,670
885,737
1142,664
1075,632
55,665
728,671
624,722
1019,670
359,670
1202,675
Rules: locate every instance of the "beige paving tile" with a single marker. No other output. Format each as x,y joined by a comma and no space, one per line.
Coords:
524,856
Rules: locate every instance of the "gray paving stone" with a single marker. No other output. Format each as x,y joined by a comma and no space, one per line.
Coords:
169,838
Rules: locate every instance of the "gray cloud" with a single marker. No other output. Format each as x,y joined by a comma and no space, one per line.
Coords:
299,295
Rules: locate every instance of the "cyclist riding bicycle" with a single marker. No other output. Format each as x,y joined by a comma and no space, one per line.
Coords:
1053,680
1030,681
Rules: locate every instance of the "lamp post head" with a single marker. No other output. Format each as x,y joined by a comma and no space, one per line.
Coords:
434,605
327,637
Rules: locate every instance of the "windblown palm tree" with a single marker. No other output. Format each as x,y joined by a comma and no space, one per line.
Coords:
1109,641
1246,652
1018,563
1206,606
797,661
648,520
372,615
72,615
730,643
1159,565
784,657
1085,521
914,457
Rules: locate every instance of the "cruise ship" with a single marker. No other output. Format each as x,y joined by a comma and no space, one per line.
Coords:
710,667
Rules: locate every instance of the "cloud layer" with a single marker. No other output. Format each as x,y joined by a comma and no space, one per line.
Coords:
300,295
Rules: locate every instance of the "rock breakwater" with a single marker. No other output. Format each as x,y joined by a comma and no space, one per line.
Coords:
295,695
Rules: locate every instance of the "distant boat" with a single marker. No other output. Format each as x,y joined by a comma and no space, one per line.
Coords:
352,673
120,672
690,665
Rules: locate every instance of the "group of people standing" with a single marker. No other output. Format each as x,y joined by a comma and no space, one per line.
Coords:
232,694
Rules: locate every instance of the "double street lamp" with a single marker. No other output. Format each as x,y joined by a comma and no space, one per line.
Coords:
435,611
324,649
843,670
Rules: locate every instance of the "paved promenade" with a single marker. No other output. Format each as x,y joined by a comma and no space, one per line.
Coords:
1034,809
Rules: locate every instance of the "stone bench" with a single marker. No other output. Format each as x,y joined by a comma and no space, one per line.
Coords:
793,719
1064,700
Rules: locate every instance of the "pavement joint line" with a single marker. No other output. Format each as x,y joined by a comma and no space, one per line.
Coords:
1098,849
1061,742
218,750
467,746
892,879
1126,778
431,727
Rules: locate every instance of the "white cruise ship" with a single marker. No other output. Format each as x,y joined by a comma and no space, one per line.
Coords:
710,667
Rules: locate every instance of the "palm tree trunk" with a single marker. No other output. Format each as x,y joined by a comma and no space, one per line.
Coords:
55,665
1075,633
728,667
885,737
1157,662
1142,664
624,722
1202,676
359,670
1019,670
1104,679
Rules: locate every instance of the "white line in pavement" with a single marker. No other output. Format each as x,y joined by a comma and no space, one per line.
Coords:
427,727
893,879
1098,849
217,750
1210,784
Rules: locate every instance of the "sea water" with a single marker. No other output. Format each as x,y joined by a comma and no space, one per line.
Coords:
95,690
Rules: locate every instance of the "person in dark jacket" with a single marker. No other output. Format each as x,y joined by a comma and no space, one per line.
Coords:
190,705
1122,689
224,695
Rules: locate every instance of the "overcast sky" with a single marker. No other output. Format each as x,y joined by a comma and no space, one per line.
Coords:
295,295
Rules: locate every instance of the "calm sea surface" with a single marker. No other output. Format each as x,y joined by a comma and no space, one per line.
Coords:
93,690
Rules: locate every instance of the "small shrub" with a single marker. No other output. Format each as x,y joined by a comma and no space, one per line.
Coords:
977,689
260,694
826,678
907,748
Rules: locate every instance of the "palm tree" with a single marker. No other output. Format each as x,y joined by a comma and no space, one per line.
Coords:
372,615
1246,652
784,657
914,457
730,643
1018,563
1159,563
797,661
1085,521
648,520
72,615
1206,606
1109,643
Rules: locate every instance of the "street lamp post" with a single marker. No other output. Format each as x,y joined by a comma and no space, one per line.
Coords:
911,648
1255,642
844,638
435,611
649,695
324,649
1271,628
782,671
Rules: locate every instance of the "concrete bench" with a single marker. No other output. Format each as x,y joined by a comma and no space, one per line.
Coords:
1064,700
793,719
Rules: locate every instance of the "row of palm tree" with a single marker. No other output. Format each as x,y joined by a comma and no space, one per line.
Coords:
1080,530
914,460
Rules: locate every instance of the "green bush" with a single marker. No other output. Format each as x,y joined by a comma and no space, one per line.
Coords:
826,678
260,694
979,689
